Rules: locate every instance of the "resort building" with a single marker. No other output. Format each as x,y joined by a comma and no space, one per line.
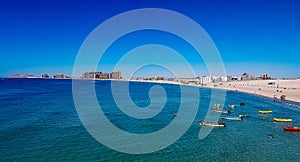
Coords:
265,76
101,75
160,78
58,76
245,76
44,76
232,78
205,80
116,75
219,78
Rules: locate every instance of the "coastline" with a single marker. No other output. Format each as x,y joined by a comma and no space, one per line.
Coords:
291,91
290,87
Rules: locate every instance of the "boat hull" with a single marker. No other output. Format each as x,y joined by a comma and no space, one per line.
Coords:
282,120
221,111
243,115
212,124
265,111
231,106
231,118
291,128
217,105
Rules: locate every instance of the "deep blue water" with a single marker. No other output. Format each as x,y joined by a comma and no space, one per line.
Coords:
39,122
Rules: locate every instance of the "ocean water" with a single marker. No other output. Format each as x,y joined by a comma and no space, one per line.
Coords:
39,122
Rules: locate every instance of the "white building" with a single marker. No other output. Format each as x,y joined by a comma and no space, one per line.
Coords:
205,80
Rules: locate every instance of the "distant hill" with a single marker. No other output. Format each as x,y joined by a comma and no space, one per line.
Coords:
22,76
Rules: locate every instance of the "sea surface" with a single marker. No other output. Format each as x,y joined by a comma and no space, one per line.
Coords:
39,122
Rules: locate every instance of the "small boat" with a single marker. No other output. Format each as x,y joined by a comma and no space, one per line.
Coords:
213,124
220,111
291,128
231,106
243,115
283,119
217,105
265,111
242,104
231,118
175,115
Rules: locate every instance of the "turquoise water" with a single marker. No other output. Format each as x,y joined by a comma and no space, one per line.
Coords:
38,122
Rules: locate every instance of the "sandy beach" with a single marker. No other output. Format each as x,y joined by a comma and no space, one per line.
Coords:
267,88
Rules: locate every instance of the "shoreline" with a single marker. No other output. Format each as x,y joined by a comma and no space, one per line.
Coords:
288,101
273,91
290,88
292,102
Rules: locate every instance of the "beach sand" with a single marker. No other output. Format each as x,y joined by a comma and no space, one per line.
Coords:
289,88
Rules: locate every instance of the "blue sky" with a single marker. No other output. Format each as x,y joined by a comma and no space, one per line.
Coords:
252,36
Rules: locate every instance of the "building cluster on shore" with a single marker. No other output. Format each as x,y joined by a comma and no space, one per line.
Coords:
205,79
261,85
86,75
246,76
101,75
57,76
117,75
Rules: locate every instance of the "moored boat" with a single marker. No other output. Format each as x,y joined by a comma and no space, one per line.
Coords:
213,124
217,105
243,115
265,111
283,119
220,111
291,128
231,118
231,106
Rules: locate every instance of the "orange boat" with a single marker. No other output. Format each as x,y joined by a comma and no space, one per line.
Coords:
291,128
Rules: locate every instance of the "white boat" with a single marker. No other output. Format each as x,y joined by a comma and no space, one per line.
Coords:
231,106
213,124
231,118
243,115
220,111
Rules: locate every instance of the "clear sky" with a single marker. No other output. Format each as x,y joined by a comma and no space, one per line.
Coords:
252,36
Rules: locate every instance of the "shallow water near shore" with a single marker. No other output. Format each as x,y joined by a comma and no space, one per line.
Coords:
38,121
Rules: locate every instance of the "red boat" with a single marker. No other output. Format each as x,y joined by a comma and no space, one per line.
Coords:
213,124
291,128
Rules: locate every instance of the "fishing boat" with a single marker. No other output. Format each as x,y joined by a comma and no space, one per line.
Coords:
243,115
283,119
213,124
291,128
265,111
231,106
217,105
231,118
220,111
